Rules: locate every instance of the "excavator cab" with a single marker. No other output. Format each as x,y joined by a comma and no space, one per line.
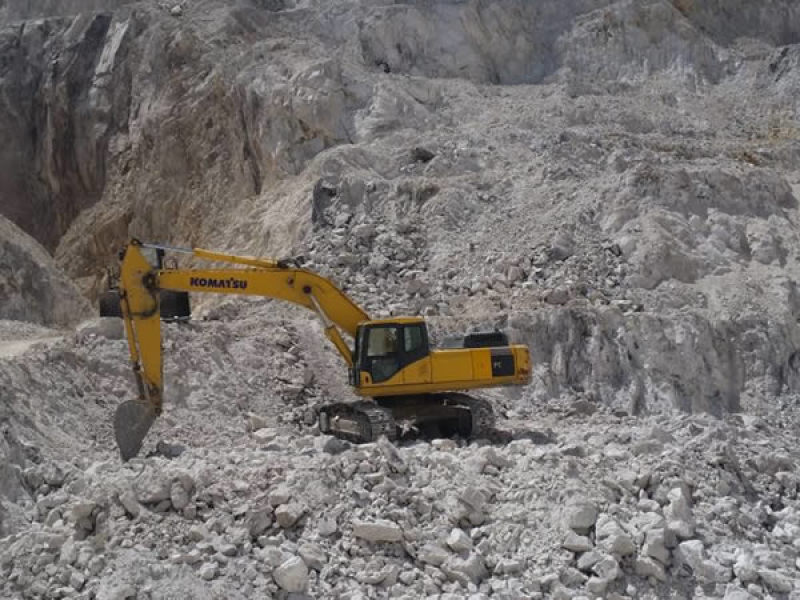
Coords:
384,348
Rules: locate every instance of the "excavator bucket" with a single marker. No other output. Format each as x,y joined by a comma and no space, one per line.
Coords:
132,421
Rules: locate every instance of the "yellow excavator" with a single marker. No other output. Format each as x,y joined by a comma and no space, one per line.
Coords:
408,384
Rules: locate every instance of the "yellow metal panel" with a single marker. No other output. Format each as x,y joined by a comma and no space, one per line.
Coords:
522,360
452,370
451,365
397,320
391,388
418,372
481,363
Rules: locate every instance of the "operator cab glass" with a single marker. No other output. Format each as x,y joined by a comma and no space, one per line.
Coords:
382,350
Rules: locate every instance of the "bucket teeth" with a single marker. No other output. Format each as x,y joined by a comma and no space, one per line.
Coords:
132,421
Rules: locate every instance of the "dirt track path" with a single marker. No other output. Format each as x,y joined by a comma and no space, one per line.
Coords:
9,348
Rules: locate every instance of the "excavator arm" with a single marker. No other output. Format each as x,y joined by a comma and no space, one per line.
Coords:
141,282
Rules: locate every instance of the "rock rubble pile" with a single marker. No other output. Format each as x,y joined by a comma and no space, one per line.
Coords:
589,503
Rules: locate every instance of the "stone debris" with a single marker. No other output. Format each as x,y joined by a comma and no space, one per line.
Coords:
292,575
288,514
377,531
459,541
576,543
581,517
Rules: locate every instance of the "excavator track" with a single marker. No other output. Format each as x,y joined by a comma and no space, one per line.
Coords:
483,419
430,415
359,422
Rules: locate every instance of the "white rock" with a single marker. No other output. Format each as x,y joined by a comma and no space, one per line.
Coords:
572,577
433,554
495,458
272,556
737,593
576,543
475,497
377,531
288,514
364,231
208,571
581,517
597,585
654,546
391,455
113,590
68,554
679,514
256,422
588,559
96,565
612,538
459,541
178,496
644,566
514,274
692,554
313,555
745,568
713,572
279,495
465,570
198,533
607,568
508,566
341,219
775,582
151,487
264,435
682,529
81,509
77,580
327,526
258,521
619,544
292,575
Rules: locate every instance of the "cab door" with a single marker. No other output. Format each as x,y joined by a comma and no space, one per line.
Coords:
416,354
393,353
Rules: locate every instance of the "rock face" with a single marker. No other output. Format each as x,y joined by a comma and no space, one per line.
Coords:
32,287
22,10
70,67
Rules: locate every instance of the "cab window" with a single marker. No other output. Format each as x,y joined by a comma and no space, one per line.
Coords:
382,341
413,337
383,353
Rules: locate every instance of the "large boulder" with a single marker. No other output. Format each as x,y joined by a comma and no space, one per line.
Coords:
32,288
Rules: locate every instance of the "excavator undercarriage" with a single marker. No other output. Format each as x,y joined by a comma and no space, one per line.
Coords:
403,417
